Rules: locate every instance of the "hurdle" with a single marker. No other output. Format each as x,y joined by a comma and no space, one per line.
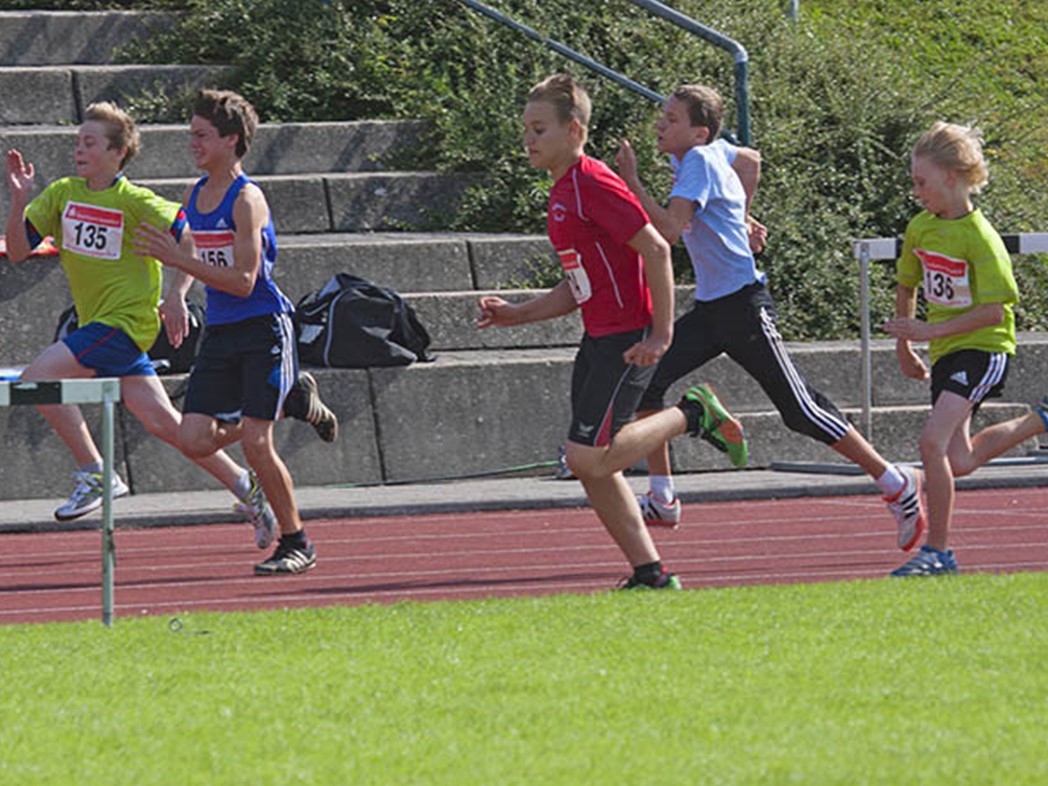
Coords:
104,391
889,248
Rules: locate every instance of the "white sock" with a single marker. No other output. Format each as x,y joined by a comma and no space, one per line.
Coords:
891,482
661,487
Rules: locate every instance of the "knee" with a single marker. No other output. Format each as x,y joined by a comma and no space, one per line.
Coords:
584,462
196,446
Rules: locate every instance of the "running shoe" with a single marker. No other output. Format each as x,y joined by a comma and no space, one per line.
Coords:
928,562
908,509
667,581
255,508
659,514
287,559
708,418
87,496
303,403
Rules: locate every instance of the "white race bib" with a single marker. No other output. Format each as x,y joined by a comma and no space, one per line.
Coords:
214,246
93,231
946,279
575,273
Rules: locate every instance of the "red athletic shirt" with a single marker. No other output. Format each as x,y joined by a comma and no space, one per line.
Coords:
592,215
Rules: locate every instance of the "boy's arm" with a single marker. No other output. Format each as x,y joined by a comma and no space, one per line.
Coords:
19,184
556,303
249,213
747,166
658,271
905,308
670,221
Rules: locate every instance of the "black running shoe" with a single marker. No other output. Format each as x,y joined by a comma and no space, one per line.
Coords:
303,403
288,558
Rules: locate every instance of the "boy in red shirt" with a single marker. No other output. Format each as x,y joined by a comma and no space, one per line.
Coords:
617,269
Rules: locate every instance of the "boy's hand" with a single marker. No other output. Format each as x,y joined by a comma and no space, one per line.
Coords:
157,243
20,175
909,362
175,317
494,311
758,234
648,351
626,163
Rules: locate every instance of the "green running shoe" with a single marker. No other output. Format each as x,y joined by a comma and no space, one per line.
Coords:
708,418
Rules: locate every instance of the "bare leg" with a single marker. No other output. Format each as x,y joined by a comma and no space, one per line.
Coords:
947,423
147,400
616,507
994,440
659,458
58,362
600,471
272,473
854,447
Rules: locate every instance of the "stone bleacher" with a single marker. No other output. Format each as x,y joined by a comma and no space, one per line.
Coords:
493,399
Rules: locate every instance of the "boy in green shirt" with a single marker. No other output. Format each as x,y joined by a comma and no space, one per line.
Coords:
116,292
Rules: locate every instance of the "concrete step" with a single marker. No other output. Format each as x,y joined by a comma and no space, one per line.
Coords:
33,293
350,202
465,413
33,38
52,95
278,148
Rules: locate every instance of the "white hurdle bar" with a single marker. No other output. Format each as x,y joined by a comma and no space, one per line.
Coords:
884,248
104,391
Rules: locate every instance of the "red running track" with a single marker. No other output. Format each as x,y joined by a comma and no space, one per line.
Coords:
169,571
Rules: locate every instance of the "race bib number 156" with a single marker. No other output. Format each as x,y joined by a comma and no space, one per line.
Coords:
93,231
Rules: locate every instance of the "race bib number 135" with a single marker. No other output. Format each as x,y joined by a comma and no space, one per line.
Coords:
93,231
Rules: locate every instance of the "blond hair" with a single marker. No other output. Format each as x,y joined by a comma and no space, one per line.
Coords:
569,99
120,128
957,148
705,107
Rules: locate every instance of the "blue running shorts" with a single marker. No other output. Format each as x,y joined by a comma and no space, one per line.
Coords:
108,351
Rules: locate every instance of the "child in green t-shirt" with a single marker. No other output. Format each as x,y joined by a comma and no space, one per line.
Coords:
92,217
958,259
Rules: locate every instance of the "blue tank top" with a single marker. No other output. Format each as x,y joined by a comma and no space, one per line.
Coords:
213,233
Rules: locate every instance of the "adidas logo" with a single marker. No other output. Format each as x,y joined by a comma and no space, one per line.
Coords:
960,376
222,224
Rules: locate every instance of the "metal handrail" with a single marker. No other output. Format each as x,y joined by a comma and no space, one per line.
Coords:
742,97
568,52
733,47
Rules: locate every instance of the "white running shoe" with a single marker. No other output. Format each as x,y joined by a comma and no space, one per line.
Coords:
255,508
908,509
659,514
87,496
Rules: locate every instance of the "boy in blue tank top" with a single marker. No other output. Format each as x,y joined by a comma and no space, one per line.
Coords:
92,216
248,365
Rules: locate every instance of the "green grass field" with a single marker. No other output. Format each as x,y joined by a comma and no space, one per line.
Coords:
887,682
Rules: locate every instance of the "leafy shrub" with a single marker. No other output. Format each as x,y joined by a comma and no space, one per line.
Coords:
837,100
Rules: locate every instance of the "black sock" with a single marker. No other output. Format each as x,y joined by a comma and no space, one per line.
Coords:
693,411
297,540
649,573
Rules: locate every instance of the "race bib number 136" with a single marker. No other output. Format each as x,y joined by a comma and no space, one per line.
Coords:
93,231
946,279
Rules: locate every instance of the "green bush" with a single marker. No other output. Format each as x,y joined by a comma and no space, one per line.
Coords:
837,100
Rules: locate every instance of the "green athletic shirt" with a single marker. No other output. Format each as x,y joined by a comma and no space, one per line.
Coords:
94,230
961,263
